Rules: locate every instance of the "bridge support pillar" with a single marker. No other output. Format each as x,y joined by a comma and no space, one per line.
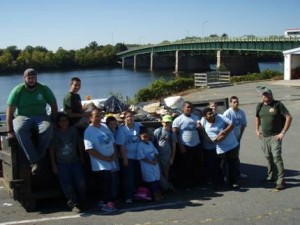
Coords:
176,61
151,61
218,65
134,62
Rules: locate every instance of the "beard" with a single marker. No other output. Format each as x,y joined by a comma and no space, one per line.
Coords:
30,87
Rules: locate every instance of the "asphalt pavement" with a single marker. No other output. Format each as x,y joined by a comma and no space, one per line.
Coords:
254,203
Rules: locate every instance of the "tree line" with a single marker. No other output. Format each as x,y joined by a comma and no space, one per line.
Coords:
14,60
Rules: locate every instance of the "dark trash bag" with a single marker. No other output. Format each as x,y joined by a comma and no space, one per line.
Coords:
114,105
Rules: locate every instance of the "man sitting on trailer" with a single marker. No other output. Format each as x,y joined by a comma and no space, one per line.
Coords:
27,102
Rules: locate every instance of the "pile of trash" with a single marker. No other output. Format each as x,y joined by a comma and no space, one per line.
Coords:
114,105
153,111
144,111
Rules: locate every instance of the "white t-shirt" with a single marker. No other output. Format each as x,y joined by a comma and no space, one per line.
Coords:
149,172
100,139
187,126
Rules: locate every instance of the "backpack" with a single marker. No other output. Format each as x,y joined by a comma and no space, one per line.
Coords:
276,106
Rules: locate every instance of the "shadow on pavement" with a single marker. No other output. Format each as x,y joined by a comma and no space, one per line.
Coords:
257,173
183,198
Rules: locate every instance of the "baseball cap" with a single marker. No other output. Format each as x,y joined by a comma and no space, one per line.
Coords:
167,118
263,90
29,72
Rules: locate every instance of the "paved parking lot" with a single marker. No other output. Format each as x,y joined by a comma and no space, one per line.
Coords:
254,203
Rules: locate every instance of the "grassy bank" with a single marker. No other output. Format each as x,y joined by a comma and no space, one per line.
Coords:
160,88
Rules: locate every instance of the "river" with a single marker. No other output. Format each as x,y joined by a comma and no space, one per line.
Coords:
96,83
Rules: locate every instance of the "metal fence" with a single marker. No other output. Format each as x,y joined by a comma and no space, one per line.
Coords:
214,78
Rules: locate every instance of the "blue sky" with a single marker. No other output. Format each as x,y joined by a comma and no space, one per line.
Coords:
74,24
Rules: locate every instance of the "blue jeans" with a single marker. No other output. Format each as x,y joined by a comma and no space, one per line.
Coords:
24,128
72,182
131,175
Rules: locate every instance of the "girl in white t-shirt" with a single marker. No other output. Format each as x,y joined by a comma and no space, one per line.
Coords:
148,156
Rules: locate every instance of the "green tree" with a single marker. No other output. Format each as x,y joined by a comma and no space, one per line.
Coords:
40,49
23,60
14,51
119,47
29,48
165,42
64,59
80,57
224,35
93,46
6,61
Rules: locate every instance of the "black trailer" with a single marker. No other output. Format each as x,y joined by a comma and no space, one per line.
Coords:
17,178
28,189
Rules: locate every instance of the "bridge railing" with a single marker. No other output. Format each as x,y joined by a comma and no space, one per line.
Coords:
149,47
211,79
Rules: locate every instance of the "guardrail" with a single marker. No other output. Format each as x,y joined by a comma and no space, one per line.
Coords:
215,78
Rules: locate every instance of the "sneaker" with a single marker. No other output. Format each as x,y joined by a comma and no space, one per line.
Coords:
242,175
279,187
76,209
128,201
36,169
235,186
101,203
109,207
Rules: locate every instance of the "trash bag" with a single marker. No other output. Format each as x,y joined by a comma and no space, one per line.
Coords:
114,105
174,102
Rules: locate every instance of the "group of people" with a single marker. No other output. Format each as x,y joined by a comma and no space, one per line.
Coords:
125,158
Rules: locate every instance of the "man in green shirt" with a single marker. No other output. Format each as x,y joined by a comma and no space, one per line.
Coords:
272,121
73,108
26,112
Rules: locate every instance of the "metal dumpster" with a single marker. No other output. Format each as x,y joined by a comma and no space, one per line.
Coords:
17,178
28,189
222,103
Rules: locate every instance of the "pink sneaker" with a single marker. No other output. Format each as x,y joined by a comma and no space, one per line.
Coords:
109,207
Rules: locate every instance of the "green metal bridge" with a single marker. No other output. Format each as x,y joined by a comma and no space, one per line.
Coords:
187,55
277,44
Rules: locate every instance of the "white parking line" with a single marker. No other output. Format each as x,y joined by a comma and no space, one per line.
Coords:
40,220
89,214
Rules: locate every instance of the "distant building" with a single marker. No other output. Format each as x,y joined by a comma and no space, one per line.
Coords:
292,32
292,64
